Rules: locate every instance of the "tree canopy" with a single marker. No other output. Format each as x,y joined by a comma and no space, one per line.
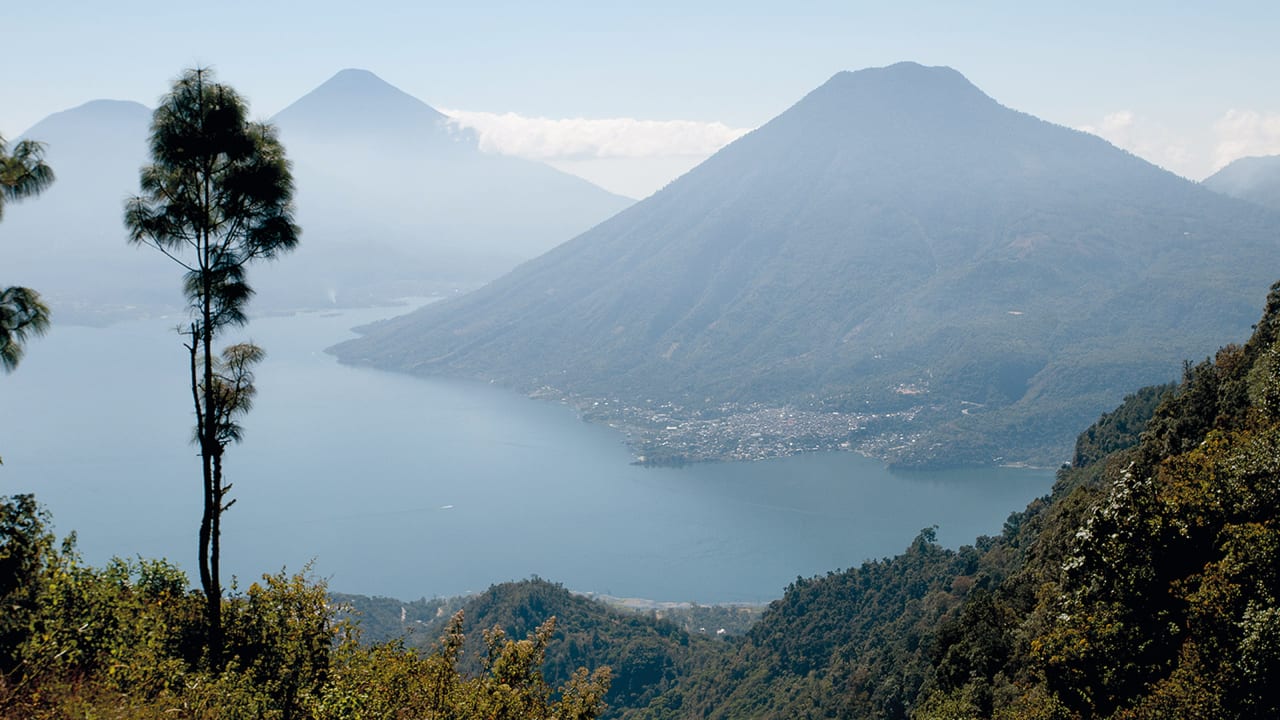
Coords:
217,197
23,174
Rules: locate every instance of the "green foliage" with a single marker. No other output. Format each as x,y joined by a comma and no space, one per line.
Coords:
383,619
125,641
1154,579
25,547
1121,428
279,634
132,625
23,315
646,655
217,197
850,644
1145,586
391,681
724,621
23,173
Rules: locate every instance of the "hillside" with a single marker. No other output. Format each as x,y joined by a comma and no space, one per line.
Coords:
962,281
1144,587
71,244
646,653
396,201
1256,179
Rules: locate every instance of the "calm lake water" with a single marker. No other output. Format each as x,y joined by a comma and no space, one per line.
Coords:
401,486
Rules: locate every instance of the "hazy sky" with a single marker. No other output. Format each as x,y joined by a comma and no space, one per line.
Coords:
1188,87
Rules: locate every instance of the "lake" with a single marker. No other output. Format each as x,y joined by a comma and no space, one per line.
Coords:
409,487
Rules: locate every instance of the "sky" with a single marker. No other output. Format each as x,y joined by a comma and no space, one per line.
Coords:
630,95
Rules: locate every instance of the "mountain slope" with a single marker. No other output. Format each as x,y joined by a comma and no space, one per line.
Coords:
897,241
394,199
355,103
69,243
647,654
1256,179
1144,587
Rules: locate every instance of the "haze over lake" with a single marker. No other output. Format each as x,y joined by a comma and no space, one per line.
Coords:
411,487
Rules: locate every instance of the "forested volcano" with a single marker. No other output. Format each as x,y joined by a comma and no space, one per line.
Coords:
895,241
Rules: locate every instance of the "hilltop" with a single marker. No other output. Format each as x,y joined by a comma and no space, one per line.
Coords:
1256,179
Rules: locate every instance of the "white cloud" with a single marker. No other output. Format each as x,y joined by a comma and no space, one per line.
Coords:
1243,133
1150,141
580,138
1195,153
1112,125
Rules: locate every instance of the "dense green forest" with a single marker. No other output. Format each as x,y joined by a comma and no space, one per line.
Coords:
128,641
1144,586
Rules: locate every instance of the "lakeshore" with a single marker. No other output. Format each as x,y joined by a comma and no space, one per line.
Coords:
352,470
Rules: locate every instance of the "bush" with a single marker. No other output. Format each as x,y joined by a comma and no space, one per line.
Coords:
127,641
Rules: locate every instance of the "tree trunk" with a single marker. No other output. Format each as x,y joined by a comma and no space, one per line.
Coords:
213,494
207,583
215,557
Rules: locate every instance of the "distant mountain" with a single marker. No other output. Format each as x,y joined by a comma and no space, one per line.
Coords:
1256,179
395,201
970,282
69,242
357,104
391,199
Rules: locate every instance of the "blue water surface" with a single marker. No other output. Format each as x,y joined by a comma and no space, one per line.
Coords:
408,487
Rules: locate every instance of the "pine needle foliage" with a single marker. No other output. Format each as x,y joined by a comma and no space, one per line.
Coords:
217,197
23,174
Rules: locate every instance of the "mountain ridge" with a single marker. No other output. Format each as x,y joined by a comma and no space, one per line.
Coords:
345,102
393,201
1254,179
887,245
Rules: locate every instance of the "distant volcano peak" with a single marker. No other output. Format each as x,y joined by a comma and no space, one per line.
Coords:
350,97
896,233
355,74
357,80
903,82
101,116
